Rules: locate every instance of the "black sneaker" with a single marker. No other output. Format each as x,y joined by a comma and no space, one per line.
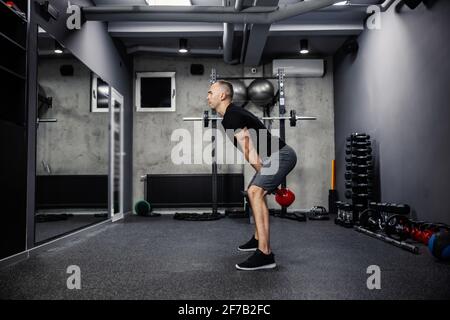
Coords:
257,261
251,245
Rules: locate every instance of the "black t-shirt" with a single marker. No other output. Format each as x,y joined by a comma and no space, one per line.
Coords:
237,118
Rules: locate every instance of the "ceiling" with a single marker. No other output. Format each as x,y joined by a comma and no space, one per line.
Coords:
326,29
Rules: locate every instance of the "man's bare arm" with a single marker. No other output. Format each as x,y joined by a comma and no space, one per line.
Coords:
247,147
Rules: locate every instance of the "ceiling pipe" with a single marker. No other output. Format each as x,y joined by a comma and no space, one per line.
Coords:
244,43
239,5
386,4
135,49
144,9
228,35
252,15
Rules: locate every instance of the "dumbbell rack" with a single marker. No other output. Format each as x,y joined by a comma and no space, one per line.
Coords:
344,214
358,174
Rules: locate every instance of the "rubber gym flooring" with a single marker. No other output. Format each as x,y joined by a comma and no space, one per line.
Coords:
162,258
50,229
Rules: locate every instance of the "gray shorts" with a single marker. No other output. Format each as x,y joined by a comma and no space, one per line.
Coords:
275,168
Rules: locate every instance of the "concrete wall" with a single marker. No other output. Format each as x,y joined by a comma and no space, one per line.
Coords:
78,142
397,90
313,141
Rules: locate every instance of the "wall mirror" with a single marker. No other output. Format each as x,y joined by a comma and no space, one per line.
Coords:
72,143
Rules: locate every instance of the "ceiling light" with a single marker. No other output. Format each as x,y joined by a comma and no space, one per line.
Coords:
342,3
168,2
304,49
183,48
58,48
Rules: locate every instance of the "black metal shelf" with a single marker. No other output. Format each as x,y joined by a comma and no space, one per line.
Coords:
12,41
4,5
12,124
13,73
12,27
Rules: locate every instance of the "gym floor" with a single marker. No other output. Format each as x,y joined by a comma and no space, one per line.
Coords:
47,230
162,258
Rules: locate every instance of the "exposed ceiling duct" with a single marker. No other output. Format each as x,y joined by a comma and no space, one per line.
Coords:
154,49
228,34
326,27
252,15
386,4
257,37
259,18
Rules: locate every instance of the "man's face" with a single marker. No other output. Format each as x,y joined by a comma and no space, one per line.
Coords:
214,96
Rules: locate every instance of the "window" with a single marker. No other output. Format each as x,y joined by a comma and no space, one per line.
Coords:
155,91
99,94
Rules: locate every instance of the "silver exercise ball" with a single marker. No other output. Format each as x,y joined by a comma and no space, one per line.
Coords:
239,93
261,92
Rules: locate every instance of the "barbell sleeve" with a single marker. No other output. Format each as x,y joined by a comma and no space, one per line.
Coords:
40,120
262,118
288,118
200,119
403,245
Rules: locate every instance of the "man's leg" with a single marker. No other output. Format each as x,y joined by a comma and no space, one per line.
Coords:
260,210
251,206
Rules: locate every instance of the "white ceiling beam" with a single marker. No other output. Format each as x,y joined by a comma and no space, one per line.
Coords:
156,30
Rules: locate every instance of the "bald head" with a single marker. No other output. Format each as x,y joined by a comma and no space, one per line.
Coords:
220,95
226,88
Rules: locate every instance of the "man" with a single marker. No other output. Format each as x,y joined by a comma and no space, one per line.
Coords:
270,171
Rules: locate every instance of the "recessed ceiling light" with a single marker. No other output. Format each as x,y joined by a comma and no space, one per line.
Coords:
168,2
58,48
183,48
342,3
304,46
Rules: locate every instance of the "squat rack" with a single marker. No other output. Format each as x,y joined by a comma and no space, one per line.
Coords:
293,118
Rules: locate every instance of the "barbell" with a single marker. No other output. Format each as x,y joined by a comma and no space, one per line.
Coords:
293,118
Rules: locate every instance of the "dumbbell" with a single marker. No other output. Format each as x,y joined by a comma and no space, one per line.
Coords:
343,210
363,160
359,191
402,209
351,195
358,137
341,213
370,219
398,227
358,151
358,167
358,144
362,168
354,176
359,207
349,184
394,208
348,219
318,213
376,205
